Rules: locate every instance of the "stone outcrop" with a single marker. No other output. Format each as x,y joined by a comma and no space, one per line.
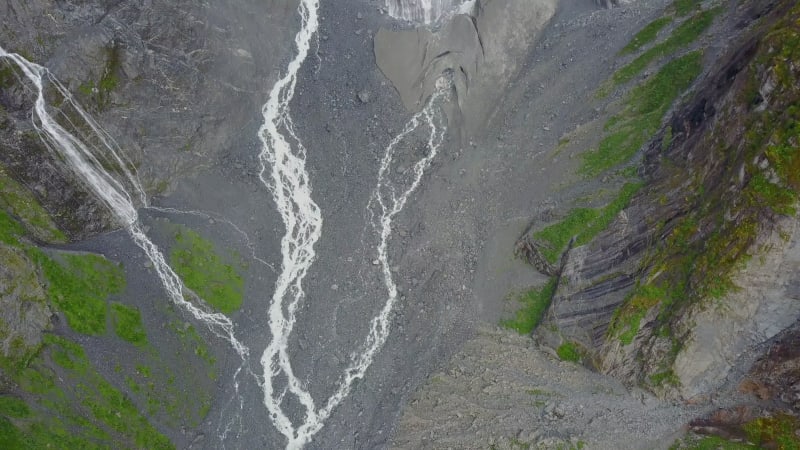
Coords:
702,267
24,313
720,334
188,68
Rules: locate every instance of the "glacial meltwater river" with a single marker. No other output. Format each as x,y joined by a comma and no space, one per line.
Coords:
282,170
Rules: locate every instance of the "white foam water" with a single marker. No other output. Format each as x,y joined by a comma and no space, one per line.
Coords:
283,172
84,159
427,11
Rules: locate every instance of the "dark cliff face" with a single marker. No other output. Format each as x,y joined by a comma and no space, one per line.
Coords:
720,177
171,81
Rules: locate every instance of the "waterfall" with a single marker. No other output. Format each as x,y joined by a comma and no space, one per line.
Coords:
427,11
283,172
119,192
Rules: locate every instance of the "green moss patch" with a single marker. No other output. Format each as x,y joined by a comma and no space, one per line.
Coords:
642,115
128,325
10,437
207,273
100,91
71,405
7,77
191,341
569,351
79,286
711,443
13,407
627,319
738,188
646,35
683,35
583,224
778,432
19,201
534,305
686,7
10,229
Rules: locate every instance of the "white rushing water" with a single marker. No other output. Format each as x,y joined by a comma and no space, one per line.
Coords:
427,11
283,172
85,159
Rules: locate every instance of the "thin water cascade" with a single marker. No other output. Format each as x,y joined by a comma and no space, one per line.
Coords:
85,159
283,172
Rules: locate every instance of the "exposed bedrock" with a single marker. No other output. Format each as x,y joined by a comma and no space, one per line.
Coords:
691,281
165,78
483,54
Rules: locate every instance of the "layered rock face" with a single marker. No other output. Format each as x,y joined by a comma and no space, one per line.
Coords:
702,267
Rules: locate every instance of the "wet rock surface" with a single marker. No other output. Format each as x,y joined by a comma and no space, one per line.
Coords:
163,78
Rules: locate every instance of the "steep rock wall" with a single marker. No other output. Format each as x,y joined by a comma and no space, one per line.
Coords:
701,267
190,69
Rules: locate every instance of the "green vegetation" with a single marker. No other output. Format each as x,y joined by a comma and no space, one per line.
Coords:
7,77
666,140
100,91
583,224
191,341
205,272
60,401
642,115
663,378
128,324
540,392
682,36
534,304
79,285
10,229
154,387
710,443
646,35
685,7
19,201
569,351
13,407
778,432
74,406
627,319
754,151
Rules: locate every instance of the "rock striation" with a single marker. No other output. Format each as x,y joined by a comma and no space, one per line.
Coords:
701,268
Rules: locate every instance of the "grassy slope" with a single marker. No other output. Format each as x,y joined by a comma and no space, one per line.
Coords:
211,276
625,133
